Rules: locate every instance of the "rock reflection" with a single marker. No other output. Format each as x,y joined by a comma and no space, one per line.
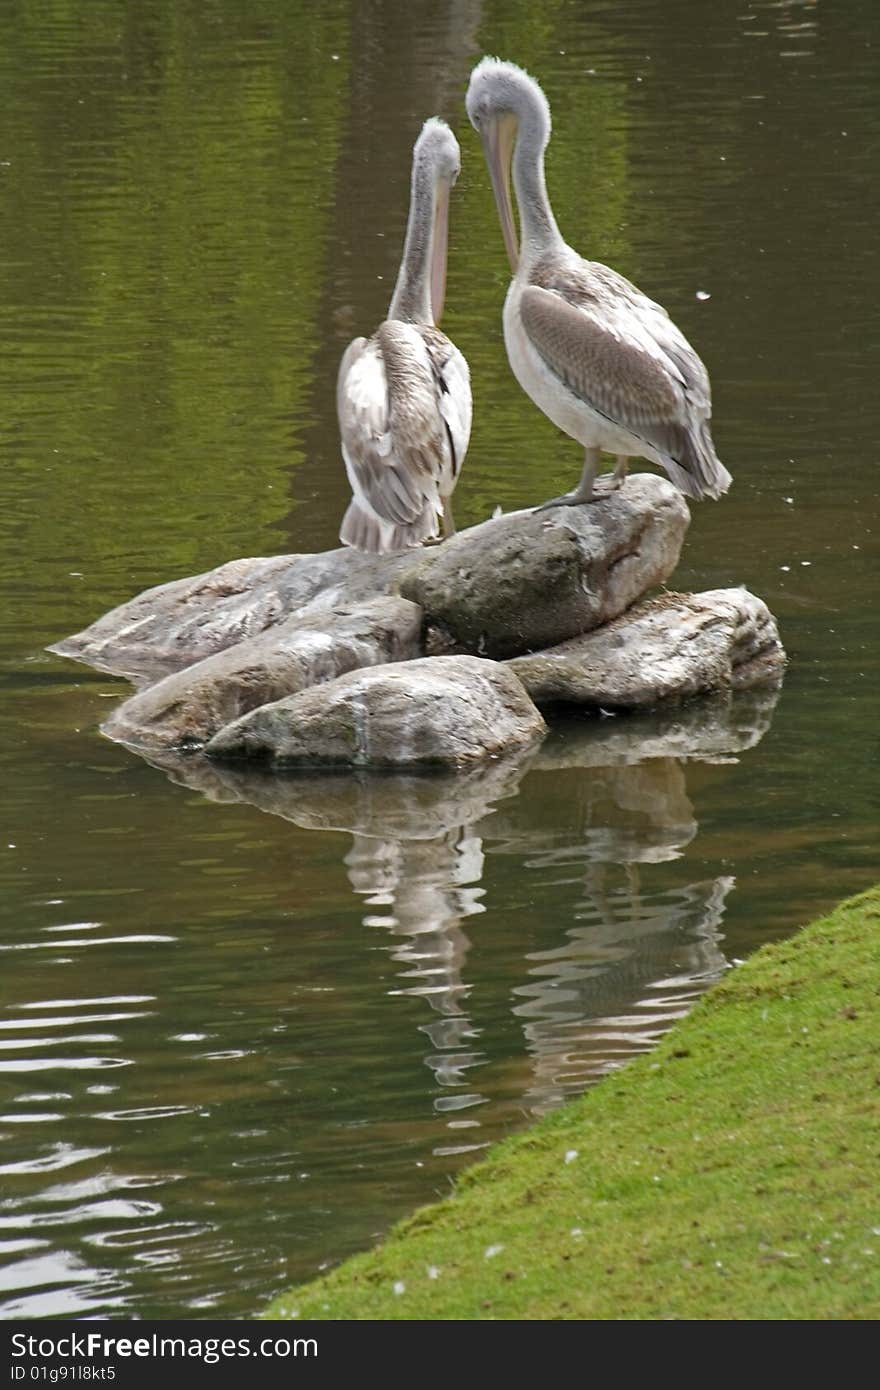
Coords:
598,815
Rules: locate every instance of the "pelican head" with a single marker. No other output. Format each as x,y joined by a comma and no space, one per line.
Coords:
438,148
502,100
436,166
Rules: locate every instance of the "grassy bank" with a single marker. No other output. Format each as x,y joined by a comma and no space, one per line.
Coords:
731,1173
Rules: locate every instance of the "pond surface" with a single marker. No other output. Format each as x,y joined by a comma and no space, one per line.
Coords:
242,1030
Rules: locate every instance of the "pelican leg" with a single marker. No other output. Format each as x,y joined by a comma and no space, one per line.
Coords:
620,470
447,525
584,490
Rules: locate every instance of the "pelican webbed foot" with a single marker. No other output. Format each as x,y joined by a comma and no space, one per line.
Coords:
568,499
585,491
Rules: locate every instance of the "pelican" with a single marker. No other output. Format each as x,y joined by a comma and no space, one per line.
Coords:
604,362
403,396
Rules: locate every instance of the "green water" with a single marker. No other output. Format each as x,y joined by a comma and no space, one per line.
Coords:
236,1044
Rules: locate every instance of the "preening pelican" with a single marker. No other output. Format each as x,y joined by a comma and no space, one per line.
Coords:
604,362
404,395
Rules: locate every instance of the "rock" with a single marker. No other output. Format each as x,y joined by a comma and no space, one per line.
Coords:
529,580
436,711
170,627
664,648
187,707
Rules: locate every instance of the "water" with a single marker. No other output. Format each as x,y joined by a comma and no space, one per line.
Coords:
244,1026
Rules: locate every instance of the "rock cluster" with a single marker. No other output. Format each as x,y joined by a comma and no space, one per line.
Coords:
322,660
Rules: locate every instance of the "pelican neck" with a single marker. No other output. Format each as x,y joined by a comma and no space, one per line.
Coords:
538,230
411,300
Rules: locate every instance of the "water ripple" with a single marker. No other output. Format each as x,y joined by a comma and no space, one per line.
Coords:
138,939
87,1003
66,1020
114,1208
36,1117
62,1156
64,1064
147,1112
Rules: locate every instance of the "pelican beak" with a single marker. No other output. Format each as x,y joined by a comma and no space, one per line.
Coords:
438,251
498,139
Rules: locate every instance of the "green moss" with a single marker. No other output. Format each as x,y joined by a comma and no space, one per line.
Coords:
729,1174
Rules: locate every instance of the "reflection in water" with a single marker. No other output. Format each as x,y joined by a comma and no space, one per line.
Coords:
631,967
426,889
635,955
415,858
638,954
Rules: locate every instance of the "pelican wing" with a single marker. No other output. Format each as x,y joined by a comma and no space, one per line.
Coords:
676,349
453,383
388,420
622,375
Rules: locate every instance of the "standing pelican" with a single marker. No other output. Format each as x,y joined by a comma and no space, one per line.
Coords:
604,362
404,395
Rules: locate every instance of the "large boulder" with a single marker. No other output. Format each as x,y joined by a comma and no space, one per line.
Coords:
187,707
532,579
435,712
664,648
173,625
